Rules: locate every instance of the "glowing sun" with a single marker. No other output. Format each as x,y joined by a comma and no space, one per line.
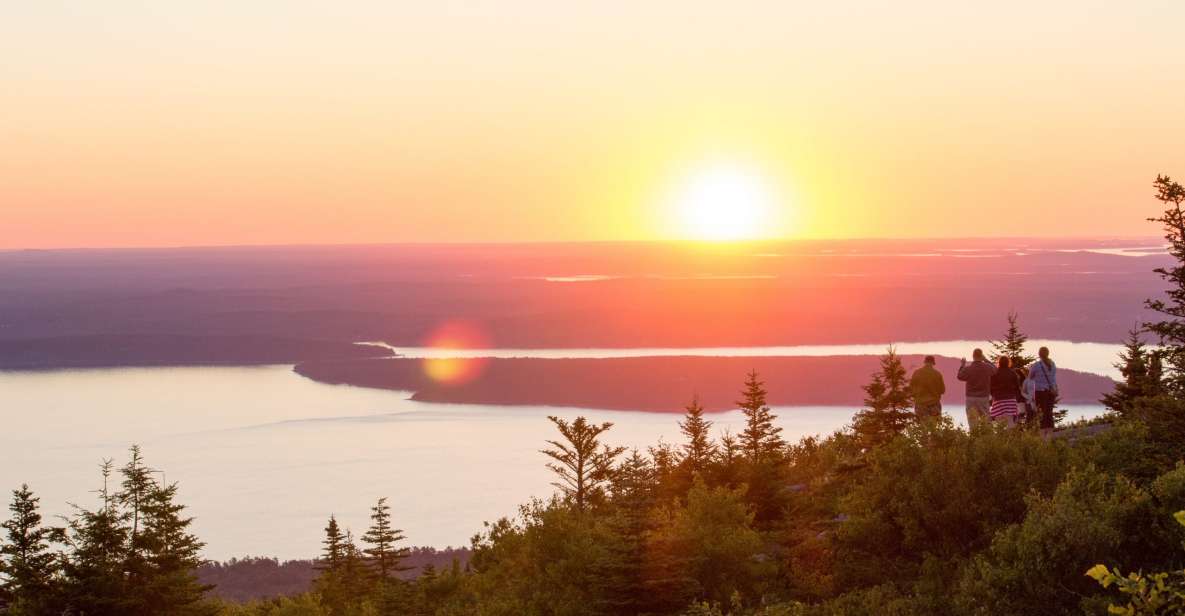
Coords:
724,202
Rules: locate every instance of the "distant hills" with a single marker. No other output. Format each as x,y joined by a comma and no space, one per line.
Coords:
566,295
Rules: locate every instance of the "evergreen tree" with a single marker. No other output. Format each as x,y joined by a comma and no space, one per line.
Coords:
698,450
27,566
887,402
1012,345
1171,329
94,572
333,553
634,490
728,457
136,487
345,585
172,556
761,440
1133,364
384,557
582,463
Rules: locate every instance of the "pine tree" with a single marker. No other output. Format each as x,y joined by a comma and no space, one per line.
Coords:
1171,329
698,451
94,572
385,559
28,569
172,555
333,552
761,440
728,458
887,402
342,585
1138,377
634,490
137,486
582,463
1012,345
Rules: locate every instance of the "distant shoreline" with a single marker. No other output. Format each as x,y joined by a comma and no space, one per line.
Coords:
660,384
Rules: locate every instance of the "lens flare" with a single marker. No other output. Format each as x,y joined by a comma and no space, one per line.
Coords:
455,335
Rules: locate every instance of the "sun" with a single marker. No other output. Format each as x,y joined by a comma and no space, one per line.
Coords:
723,202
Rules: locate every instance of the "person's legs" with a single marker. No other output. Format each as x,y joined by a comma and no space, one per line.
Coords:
928,410
977,410
1045,402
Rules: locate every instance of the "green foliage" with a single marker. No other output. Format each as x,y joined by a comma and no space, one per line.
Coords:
1147,594
761,440
27,566
1171,329
582,463
1164,416
1012,345
1035,566
383,556
699,450
132,555
938,493
887,403
704,549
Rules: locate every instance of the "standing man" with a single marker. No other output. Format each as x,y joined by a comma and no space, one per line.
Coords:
927,387
978,376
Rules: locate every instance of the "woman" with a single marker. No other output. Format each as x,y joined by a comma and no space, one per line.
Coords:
1005,392
1028,398
1044,377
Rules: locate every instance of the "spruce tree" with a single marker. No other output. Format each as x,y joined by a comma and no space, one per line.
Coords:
137,486
28,568
333,553
1171,328
384,557
887,403
1012,345
1139,380
94,573
698,450
761,440
583,464
172,556
634,492
728,458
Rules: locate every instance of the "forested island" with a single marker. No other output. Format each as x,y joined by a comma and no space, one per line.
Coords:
891,515
646,383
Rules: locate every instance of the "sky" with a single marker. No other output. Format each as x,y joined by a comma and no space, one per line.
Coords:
144,123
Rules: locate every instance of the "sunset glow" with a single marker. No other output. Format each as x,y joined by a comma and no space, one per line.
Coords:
213,123
725,202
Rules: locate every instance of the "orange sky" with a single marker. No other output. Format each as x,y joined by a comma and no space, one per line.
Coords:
135,123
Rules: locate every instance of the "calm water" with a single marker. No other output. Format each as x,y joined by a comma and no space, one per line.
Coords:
1093,357
264,456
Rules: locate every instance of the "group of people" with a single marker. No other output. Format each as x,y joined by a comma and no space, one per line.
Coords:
1001,392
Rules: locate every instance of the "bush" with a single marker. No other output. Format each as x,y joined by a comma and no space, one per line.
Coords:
937,495
1035,567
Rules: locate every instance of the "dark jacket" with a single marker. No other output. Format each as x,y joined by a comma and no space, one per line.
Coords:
978,375
927,385
1005,385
